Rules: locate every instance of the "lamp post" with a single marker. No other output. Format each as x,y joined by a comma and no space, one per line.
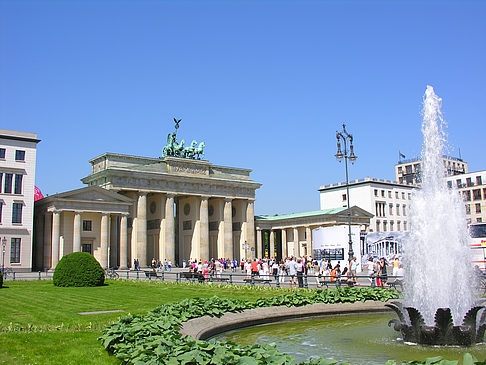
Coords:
344,137
4,243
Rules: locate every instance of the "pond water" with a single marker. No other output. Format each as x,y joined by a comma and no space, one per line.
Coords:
357,339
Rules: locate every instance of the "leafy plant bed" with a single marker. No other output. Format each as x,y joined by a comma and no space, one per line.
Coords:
154,338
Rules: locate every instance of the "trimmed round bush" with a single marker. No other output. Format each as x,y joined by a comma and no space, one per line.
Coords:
78,269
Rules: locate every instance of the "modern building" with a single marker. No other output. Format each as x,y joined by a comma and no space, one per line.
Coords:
408,171
387,200
17,178
472,187
143,208
287,235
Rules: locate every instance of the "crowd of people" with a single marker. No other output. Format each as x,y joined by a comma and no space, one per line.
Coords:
294,269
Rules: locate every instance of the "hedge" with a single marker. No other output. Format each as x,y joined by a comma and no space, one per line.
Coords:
78,269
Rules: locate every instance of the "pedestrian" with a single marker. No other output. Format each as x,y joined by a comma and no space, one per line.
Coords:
291,267
300,269
353,266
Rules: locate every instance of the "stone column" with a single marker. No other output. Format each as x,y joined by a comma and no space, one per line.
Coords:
272,244
123,242
296,242
259,244
308,234
250,228
142,229
228,229
284,243
112,243
204,229
77,232
169,229
47,240
162,202
56,234
104,241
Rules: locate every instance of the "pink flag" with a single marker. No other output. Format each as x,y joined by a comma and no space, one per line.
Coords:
37,194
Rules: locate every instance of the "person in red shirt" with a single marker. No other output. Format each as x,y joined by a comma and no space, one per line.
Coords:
255,268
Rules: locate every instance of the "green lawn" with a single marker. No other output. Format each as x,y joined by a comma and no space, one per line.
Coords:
40,324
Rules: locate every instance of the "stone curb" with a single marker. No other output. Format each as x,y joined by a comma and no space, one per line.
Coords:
205,327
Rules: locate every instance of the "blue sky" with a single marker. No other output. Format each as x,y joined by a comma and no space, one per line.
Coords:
265,84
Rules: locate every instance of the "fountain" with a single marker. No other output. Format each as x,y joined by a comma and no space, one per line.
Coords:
438,292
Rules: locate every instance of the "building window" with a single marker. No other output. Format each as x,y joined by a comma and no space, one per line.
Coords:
380,209
18,184
86,247
17,212
377,226
479,180
404,209
344,197
404,226
468,209
385,226
479,219
403,195
398,209
19,155
400,170
1,208
469,182
391,225
466,195
383,193
1,181
409,196
477,194
2,153
376,192
408,169
398,226
15,251
7,189
401,180
478,207
449,184
459,183
390,209
389,194
396,195
87,226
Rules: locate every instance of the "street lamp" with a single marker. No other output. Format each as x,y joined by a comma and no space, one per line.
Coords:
4,243
345,137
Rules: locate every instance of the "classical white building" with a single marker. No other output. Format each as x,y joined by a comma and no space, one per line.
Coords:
387,200
17,179
472,187
292,234
143,208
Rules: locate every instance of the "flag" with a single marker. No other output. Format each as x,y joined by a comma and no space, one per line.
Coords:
401,155
37,194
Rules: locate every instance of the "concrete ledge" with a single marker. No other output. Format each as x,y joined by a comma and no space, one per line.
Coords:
205,327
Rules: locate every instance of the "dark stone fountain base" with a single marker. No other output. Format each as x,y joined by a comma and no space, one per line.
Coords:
413,328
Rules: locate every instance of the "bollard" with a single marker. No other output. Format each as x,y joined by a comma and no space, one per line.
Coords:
39,275
13,275
128,274
277,282
162,276
231,278
306,285
177,277
137,275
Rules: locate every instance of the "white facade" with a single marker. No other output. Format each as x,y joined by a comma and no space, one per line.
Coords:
472,187
387,200
17,179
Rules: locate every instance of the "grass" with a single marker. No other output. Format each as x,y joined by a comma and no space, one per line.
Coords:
40,324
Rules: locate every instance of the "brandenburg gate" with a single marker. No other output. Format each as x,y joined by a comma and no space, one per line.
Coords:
170,208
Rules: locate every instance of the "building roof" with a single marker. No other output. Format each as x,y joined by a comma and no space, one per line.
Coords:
366,180
300,215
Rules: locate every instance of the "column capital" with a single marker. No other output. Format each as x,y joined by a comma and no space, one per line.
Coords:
228,200
204,197
142,193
